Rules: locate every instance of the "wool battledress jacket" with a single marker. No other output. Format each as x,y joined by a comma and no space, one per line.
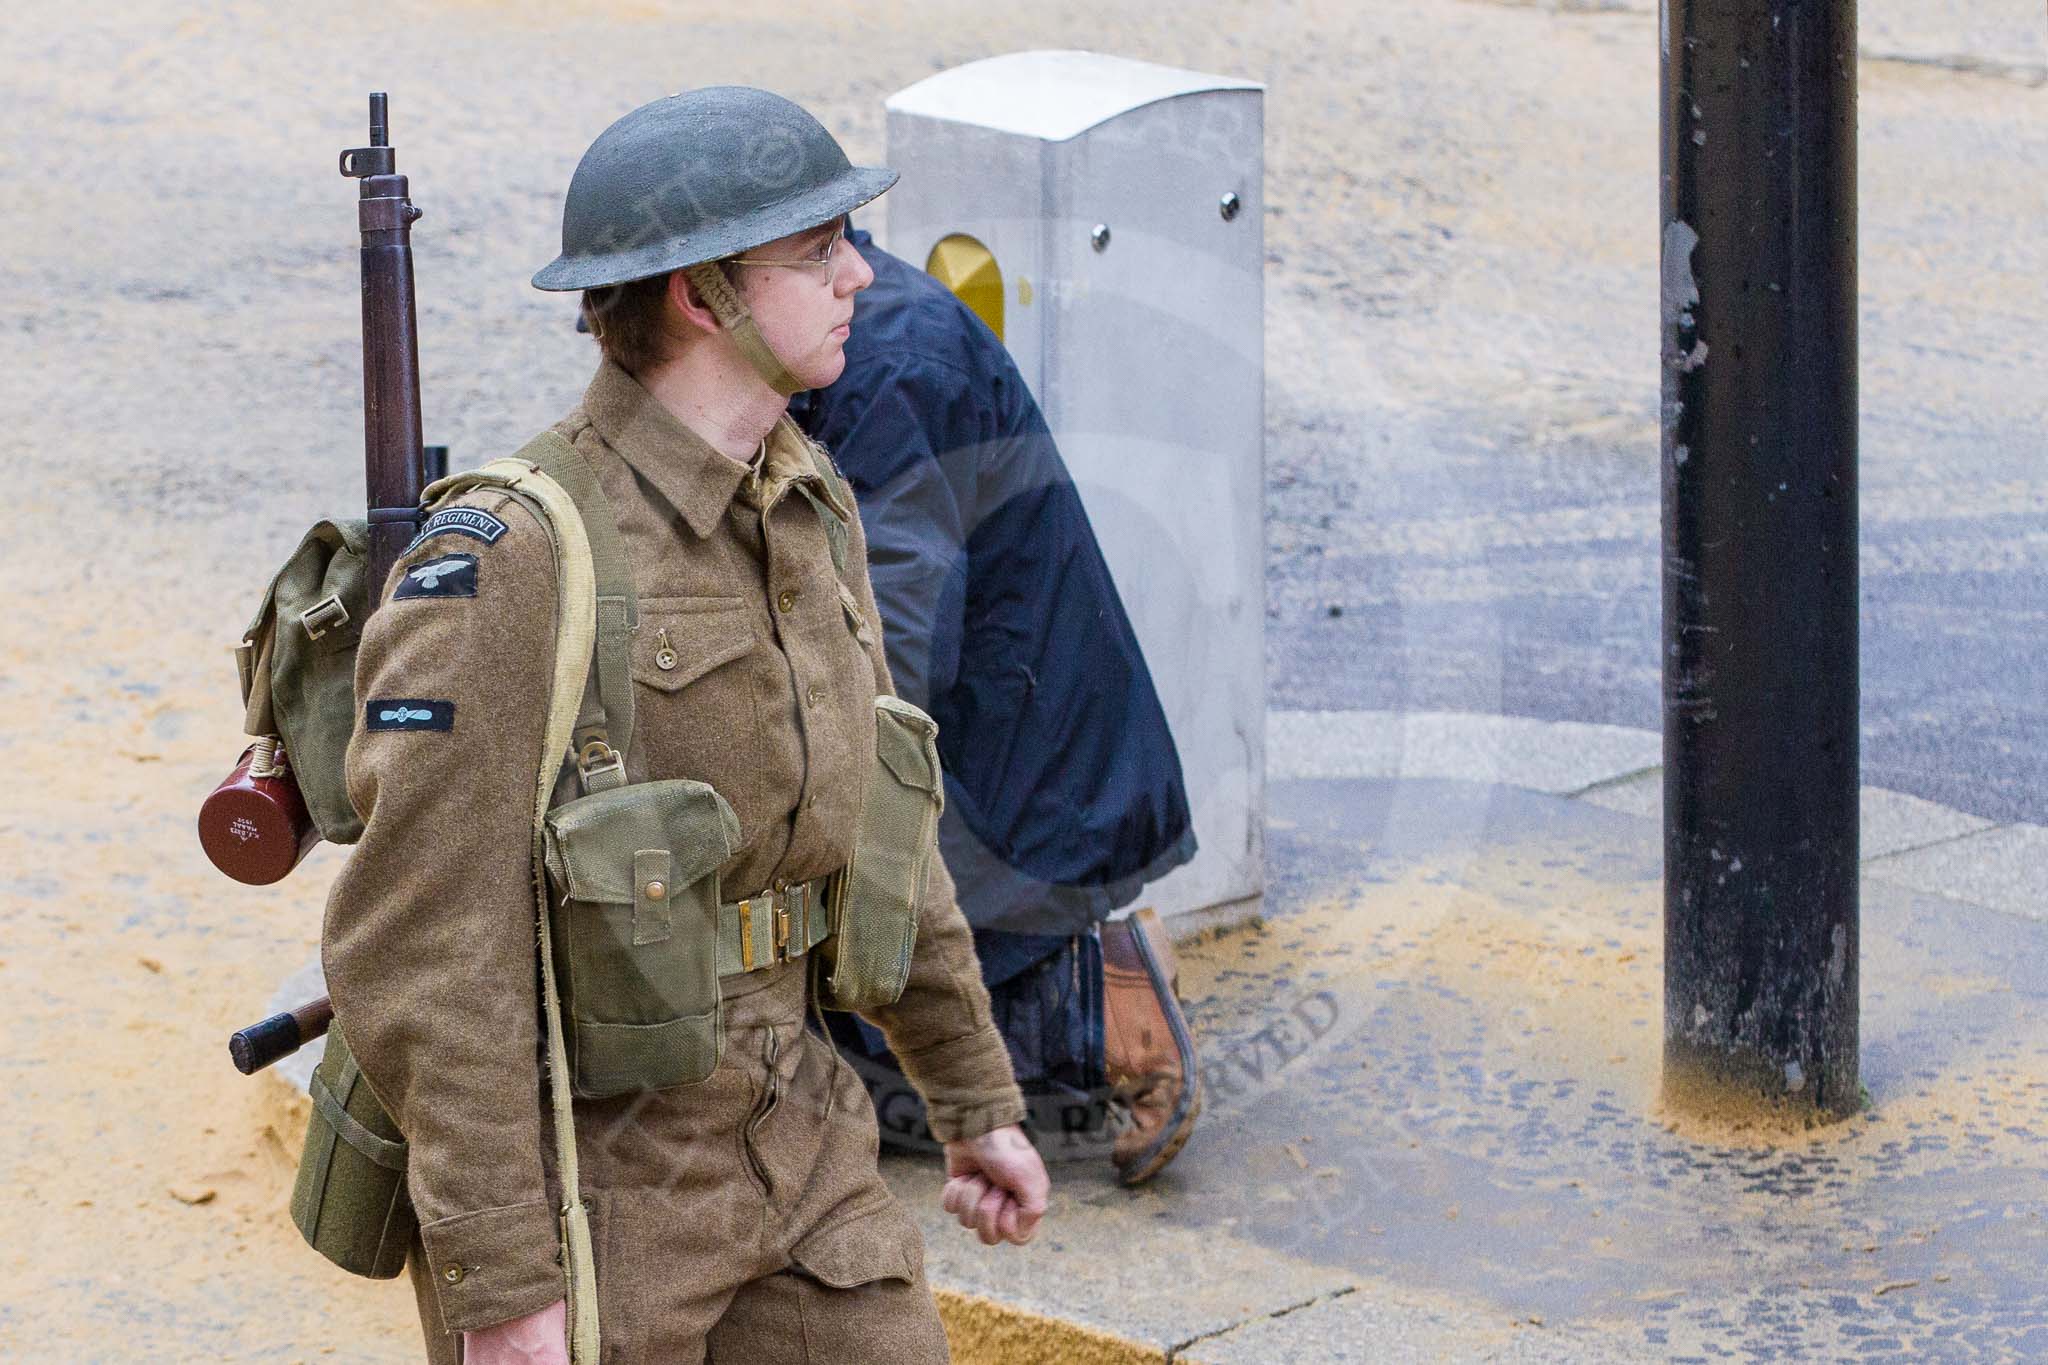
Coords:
755,664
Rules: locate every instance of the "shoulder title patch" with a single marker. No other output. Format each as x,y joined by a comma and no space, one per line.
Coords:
468,521
408,713
445,576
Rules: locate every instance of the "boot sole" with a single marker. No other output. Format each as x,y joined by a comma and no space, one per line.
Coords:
1181,1126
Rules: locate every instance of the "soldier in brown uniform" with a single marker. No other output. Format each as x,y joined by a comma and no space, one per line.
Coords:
739,1218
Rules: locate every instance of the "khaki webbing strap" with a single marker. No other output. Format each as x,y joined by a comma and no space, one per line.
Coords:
835,508
254,666
575,639
835,529
607,709
725,305
838,492
575,636
390,1155
320,1151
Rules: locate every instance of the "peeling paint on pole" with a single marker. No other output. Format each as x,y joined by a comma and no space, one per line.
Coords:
1681,287
1681,295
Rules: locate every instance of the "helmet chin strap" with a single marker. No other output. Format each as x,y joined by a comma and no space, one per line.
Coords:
731,312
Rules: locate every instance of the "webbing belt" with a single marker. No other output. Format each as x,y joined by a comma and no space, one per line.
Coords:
775,926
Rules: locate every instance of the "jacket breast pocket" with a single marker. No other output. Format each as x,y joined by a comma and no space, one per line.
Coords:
698,677
682,639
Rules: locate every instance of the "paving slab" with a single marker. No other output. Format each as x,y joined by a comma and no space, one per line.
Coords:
1547,756
1433,1128
1434,1064
2005,868
1111,1261
1370,1328
1997,37
1893,822
1638,794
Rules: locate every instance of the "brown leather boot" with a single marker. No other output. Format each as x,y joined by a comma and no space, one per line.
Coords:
1148,1049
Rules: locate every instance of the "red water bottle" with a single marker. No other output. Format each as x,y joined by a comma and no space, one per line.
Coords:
255,826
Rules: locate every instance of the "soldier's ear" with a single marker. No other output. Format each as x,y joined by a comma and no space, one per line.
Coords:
684,298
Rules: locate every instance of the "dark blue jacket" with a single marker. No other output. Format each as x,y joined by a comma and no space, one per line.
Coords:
1064,793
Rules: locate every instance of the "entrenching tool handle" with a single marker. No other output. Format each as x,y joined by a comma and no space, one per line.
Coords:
279,1036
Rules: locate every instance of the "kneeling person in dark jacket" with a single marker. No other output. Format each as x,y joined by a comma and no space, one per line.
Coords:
1064,793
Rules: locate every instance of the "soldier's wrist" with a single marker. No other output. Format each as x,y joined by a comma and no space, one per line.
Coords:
966,1120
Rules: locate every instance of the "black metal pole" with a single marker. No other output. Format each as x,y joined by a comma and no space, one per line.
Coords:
1760,587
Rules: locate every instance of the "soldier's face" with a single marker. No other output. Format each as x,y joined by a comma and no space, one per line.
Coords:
805,309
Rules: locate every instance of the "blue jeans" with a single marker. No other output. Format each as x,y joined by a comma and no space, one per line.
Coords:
1046,996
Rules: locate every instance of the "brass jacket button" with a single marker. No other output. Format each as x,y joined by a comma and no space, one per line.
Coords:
453,1274
786,600
656,890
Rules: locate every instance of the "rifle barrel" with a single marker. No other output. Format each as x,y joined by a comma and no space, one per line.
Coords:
393,449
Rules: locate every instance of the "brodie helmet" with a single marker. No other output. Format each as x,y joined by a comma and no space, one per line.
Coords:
696,177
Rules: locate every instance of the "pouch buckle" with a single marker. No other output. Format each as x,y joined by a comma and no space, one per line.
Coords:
599,765
323,616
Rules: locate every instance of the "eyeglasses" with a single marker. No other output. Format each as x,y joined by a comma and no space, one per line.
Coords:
822,258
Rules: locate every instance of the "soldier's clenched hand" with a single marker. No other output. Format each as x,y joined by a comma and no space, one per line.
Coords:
997,1185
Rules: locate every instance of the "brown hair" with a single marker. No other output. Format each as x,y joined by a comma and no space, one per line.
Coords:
626,320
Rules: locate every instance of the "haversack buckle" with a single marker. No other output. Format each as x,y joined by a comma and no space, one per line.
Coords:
325,615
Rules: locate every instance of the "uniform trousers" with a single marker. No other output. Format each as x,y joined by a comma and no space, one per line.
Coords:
741,1220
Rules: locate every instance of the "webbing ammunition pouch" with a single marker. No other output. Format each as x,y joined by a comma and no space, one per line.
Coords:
297,663
635,914
866,963
632,868
350,1200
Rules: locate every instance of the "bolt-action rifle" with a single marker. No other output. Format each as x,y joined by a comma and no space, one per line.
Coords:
396,465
